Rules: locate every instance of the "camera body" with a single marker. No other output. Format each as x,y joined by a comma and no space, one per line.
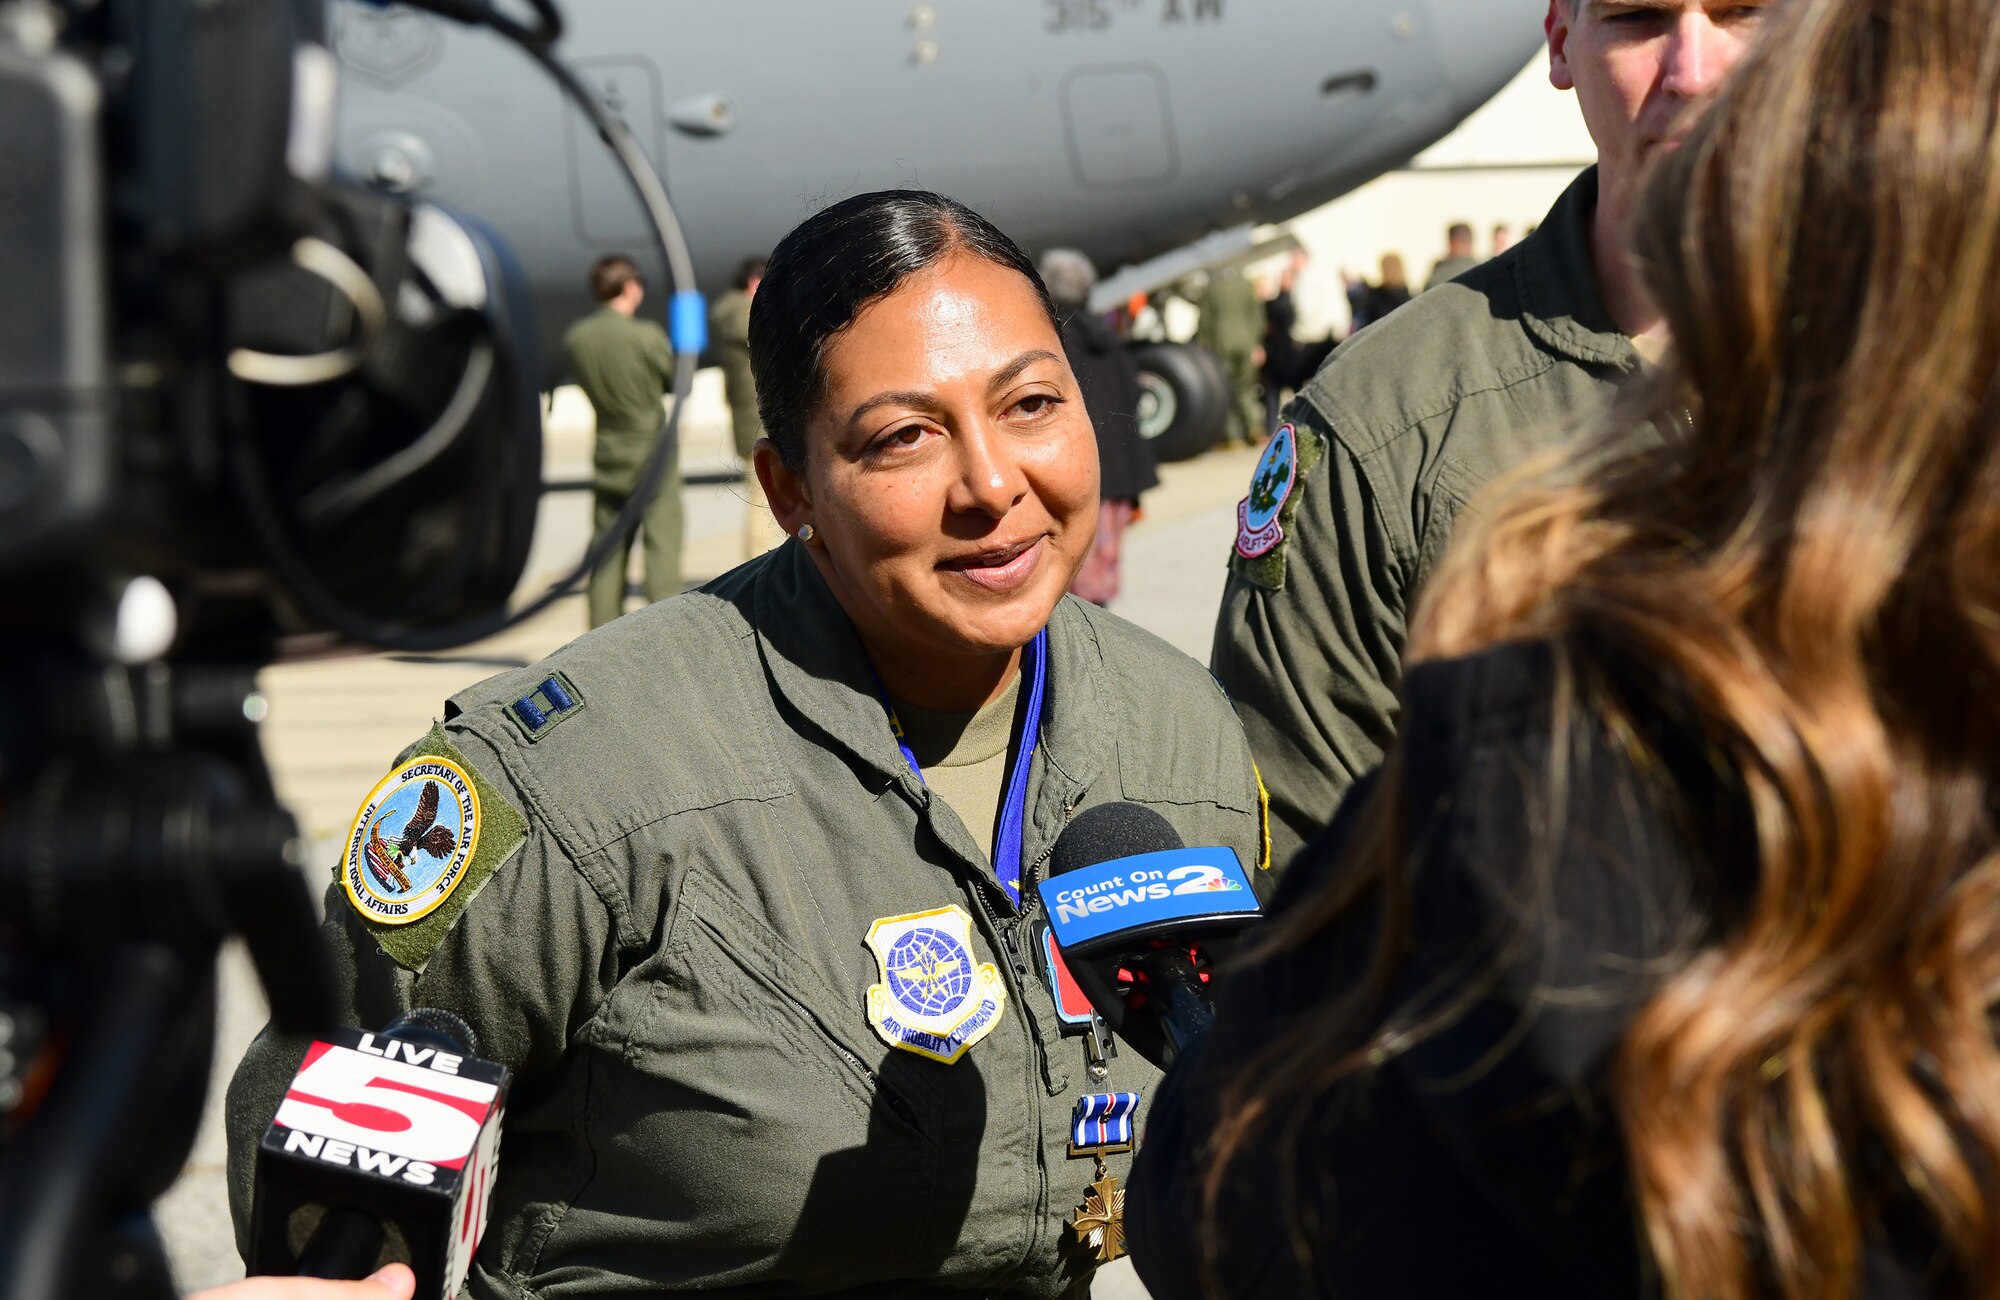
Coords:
300,413
306,407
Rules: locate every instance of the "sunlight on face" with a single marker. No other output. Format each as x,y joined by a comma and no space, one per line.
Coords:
951,470
1643,70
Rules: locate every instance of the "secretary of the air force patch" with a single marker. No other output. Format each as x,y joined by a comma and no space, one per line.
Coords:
934,998
412,841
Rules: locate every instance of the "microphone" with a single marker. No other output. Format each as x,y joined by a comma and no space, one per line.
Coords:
1140,917
382,1151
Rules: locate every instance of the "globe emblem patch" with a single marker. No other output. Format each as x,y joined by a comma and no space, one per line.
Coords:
929,972
1257,529
935,998
411,842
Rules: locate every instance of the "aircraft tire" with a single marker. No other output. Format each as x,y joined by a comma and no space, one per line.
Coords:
1183,399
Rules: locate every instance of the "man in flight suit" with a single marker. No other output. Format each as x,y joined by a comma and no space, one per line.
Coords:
1458,257
1353,501
625,367
1232,327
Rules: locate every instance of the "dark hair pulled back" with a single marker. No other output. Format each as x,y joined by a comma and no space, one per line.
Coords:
833,264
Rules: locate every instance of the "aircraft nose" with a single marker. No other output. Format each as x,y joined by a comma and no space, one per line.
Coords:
1483,44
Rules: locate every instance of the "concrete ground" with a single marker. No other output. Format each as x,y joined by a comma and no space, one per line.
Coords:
335,725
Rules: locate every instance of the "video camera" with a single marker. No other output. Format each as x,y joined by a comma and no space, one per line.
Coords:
249,410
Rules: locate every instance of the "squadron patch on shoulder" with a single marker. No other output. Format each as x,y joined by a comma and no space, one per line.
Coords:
935,999
425,839
1271,484
1264,517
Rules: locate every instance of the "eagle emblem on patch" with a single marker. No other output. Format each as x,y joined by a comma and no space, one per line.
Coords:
412,841
935,998
1258,531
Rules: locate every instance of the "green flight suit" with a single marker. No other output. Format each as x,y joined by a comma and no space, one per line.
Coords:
672,953
1232,327
1398,431
729,336
625,366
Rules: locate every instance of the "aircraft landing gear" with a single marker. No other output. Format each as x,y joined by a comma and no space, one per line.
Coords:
1183,399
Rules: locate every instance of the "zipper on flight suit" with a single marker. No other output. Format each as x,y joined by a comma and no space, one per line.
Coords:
1010,938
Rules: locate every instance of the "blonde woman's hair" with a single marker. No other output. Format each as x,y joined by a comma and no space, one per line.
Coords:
1805,545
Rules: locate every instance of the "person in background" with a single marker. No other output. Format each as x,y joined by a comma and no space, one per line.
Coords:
1503,238
1109,385
1350,514
1232,329
1280,370
1368,303
1662,955
1458,256
625,366
729,335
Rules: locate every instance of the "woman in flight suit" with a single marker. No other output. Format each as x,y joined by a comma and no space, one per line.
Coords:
742,886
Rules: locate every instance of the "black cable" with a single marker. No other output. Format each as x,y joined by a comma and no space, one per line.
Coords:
320,605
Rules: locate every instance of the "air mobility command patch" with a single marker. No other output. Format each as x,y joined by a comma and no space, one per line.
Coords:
935,999
425,839
1264,517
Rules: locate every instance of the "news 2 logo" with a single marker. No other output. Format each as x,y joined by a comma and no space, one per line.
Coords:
1143,886
1146,893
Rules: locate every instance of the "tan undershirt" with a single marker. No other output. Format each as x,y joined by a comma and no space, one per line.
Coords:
964,758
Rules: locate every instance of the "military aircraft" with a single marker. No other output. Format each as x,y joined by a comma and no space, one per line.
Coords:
1130,129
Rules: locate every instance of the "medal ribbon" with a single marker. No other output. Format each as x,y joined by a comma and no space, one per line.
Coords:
1103,1119
1007,837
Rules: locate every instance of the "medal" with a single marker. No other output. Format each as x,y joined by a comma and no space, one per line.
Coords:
1100,1221
1100,1126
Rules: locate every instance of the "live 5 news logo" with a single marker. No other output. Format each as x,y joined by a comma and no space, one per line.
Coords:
417,1173
386,1107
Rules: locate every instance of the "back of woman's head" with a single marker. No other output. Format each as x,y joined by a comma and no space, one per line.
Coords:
1814,557
831,266
1809,553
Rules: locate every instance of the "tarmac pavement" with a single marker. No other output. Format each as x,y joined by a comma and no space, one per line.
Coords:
335,725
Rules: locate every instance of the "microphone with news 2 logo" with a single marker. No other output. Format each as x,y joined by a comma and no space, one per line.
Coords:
382,1151
1140,918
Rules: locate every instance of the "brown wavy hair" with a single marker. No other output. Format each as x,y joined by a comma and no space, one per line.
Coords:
1809,551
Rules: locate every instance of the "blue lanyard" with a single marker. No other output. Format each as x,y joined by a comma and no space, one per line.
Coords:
1013,810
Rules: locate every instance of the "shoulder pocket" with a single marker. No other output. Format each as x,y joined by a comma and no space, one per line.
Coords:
1454,485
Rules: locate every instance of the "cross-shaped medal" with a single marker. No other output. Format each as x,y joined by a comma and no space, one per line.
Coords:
1100,1221
1101,1125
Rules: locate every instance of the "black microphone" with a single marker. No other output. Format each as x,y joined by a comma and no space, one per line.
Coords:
1140,917
382,1151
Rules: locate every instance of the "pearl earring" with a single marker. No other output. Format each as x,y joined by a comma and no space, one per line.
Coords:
806,533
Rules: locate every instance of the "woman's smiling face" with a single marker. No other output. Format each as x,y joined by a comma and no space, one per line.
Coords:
951,470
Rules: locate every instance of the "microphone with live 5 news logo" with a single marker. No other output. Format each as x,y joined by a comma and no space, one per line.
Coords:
1140,918
383,1150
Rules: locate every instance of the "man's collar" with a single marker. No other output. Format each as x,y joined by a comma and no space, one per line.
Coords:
1555,277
